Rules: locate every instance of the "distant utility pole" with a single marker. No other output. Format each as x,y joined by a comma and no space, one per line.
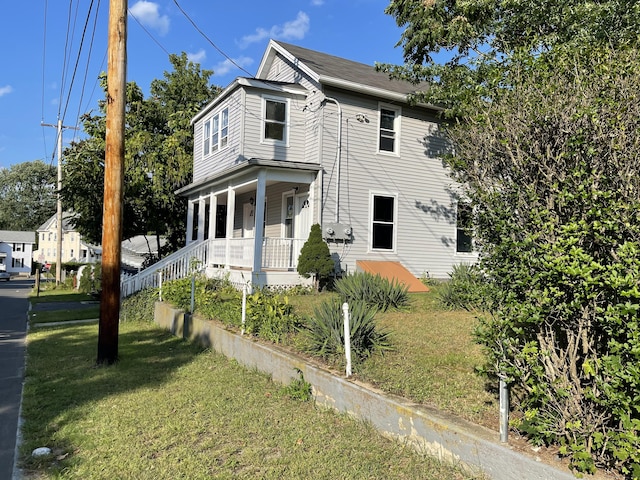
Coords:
59,126
113,183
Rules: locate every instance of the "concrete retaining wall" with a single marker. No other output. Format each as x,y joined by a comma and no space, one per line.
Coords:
446,437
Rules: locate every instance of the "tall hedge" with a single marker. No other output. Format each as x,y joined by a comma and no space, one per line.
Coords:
552,168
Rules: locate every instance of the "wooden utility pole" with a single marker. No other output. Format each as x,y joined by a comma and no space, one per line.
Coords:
113,183
59,231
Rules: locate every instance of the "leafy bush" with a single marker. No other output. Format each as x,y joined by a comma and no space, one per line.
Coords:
374,290
91,279
325,331
270,316
466,288
139,307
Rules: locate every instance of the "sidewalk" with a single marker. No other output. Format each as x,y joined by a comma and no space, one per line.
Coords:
13,328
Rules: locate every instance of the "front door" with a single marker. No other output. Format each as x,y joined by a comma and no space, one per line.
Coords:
248,220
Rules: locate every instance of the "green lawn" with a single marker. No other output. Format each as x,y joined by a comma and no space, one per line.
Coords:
434,358
41,316
171,410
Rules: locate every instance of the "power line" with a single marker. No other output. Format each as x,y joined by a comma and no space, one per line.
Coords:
208,39
148,33
44,56
75,68
86,71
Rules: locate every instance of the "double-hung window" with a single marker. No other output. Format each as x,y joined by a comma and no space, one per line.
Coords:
389,130
464,228
216,132
276,113
383,222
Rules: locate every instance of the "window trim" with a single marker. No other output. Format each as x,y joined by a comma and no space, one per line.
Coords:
394,239
286,123
208,132
396,128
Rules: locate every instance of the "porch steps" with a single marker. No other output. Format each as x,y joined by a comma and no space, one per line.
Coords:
392,271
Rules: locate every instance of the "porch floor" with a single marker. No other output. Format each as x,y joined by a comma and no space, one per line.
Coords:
393,271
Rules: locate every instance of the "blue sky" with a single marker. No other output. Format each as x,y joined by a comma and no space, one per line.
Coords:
41,51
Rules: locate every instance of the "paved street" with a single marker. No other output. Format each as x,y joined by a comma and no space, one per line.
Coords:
13,323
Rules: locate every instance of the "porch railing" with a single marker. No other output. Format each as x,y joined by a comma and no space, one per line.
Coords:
277,254
281,253
175,266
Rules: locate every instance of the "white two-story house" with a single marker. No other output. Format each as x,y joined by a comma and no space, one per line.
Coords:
15,252
315,138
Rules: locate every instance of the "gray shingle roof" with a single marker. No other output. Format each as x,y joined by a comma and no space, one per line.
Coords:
66,222
8,236
337,68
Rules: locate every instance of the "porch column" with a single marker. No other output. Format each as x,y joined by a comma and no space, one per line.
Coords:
213,208
259,227
231,213
189,222
201,211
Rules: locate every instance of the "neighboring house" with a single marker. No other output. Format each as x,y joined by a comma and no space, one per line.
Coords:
135,251
16,250
74,248
316,138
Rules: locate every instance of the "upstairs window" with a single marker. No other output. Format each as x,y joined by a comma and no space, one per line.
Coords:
216,132
389,129
383,225
275,120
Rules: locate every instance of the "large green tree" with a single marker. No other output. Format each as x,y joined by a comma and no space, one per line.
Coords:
543,107
158,156
482,40
28,195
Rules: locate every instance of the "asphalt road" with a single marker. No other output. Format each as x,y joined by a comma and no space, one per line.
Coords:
13,327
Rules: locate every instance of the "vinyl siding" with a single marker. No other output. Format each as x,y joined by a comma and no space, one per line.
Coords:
255,146
425,223
221,160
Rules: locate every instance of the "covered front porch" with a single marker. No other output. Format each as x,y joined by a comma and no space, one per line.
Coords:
255,221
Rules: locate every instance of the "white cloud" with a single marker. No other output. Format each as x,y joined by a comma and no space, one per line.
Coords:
317,3
147,13
197,57
5,90
225,67
292,30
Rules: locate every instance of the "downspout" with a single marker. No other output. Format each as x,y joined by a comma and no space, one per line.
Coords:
338,157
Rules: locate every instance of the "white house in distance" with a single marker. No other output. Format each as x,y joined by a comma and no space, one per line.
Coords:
74,248
16,250
315,138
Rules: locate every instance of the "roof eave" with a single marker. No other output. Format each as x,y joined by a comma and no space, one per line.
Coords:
248,82
368,90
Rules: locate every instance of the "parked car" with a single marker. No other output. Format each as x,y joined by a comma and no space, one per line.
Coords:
6,276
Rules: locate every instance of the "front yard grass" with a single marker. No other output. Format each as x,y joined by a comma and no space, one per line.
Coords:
434,359
64,315
169,409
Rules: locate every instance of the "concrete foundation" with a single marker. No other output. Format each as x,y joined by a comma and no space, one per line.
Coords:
428,430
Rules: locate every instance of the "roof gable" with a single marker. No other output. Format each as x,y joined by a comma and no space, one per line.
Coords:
329,69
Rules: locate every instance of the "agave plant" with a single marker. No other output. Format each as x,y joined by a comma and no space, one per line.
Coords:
325,330
373,290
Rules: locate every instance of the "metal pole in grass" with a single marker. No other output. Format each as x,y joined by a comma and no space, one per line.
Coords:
244,307
160,285
347,337
193,292
504,411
